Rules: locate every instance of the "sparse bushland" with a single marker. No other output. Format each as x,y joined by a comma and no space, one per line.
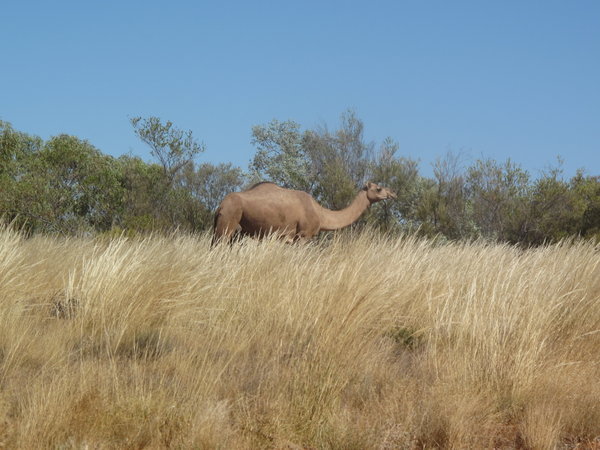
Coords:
66,186
358,342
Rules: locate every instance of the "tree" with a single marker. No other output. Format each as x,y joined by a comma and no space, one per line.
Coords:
62,185
332,184
15,148
173,147
498,198
442,206
17,153
171,204
210,183
280,155
205,186
586,190
401,175
554,211
351,148
82,187
328,165
144,187
340,161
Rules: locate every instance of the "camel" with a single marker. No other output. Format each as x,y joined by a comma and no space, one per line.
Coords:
293,215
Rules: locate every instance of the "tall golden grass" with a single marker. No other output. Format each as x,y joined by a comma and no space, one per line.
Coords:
359,343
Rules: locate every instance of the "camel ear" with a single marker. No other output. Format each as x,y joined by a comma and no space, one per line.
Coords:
368,185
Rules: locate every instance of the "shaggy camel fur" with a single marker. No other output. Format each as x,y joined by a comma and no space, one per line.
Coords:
266,208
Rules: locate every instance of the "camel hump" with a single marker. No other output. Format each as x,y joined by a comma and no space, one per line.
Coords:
260,184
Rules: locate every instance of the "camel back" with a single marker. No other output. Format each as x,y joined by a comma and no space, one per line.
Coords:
260,183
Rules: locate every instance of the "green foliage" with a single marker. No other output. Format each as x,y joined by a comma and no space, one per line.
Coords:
145,188
173,147
443,209
65,185
402,176
209,183
498,197
82,186
488,199
555,212
329,165
339,161
280,155
17,151
180,196
587,195
450,192
15,147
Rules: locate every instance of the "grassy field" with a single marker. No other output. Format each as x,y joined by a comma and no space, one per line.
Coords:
358,343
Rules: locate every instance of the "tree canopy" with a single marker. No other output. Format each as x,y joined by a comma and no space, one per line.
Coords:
66,185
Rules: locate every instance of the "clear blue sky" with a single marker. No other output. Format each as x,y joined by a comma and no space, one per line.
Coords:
518,79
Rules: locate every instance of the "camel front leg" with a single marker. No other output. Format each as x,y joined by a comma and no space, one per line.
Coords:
224,233
302,238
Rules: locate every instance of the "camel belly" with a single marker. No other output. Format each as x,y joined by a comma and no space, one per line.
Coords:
274,222
291,216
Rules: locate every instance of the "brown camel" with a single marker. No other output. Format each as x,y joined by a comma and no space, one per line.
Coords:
266,208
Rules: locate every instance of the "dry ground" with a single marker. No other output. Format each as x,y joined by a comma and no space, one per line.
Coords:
358,343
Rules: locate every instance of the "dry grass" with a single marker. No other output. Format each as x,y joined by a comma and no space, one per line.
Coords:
360,343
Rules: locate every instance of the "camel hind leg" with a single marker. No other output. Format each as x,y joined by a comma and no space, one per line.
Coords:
227,220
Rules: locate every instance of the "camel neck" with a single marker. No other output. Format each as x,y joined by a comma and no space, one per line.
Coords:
334,220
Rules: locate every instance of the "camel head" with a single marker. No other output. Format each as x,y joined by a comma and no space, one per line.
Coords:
376,193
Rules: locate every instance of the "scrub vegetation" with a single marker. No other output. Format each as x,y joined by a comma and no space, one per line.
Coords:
64,185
